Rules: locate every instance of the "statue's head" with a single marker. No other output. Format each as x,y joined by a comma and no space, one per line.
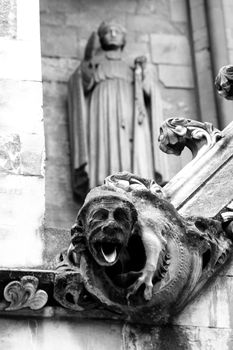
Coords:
112,35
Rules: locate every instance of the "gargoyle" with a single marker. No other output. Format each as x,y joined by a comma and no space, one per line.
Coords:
137,255
224,82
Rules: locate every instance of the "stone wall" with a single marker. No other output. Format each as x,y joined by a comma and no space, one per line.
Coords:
21,135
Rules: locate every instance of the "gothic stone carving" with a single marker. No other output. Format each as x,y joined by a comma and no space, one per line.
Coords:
224,82
176,133
136,255
114,112
24,293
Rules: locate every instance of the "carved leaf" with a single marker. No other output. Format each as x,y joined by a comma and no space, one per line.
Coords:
177,133
224,82
24,293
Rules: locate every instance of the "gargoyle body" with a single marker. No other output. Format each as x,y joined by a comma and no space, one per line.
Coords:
137,256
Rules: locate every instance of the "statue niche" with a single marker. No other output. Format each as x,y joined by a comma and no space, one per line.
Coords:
114,112
135,256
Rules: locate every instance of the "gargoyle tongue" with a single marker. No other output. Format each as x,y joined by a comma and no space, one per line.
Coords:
109,255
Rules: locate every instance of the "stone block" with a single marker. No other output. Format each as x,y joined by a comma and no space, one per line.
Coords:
229,33
171,49
133,50
213,308
228,13
58,69
21,106
59,195
60,42
200,39
85,22
47,334
22,208
149,24
57,143
179,103
160,7
198,15
179,10
205,86
20,60
8,21
176,76
54,95
32,155
230,55
177,338
48,18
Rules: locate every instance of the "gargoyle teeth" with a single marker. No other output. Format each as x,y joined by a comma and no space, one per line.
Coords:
111,257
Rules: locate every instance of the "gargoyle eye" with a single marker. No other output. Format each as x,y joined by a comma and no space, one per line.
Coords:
101,214
120,215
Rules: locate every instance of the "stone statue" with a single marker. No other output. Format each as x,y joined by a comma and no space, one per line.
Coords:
113,112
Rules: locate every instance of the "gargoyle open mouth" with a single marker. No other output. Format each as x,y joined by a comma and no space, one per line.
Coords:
107,252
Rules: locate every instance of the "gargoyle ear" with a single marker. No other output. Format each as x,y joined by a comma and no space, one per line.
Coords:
72,255
77,228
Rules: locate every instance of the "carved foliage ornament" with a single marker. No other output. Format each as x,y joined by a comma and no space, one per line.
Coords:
176,133
25,293
136,255
224,82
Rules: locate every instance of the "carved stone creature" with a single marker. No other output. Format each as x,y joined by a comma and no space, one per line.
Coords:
177,133
137,255
224,82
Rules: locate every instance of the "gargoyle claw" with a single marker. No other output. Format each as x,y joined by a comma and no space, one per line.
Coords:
148,287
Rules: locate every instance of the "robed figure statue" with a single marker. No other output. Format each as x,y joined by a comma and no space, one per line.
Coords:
114,113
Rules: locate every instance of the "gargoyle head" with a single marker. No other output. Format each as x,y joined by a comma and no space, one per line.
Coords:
138,255
108,221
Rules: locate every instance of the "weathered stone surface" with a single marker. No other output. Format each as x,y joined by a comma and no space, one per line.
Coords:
205,87
21,104
178,102
171,49
176,76
32,155
61,47
160,7
61,210
43,334
149,24
22,210
178,11
229,33
211,309
8,25
228,10
20,60
58,69
174,337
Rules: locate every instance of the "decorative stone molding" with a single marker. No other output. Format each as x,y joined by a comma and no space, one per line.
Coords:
24,293
224,82
178,133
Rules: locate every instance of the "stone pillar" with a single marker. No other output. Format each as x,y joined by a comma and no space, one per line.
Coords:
21,135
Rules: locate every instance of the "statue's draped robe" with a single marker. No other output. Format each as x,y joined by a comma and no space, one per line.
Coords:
104,130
